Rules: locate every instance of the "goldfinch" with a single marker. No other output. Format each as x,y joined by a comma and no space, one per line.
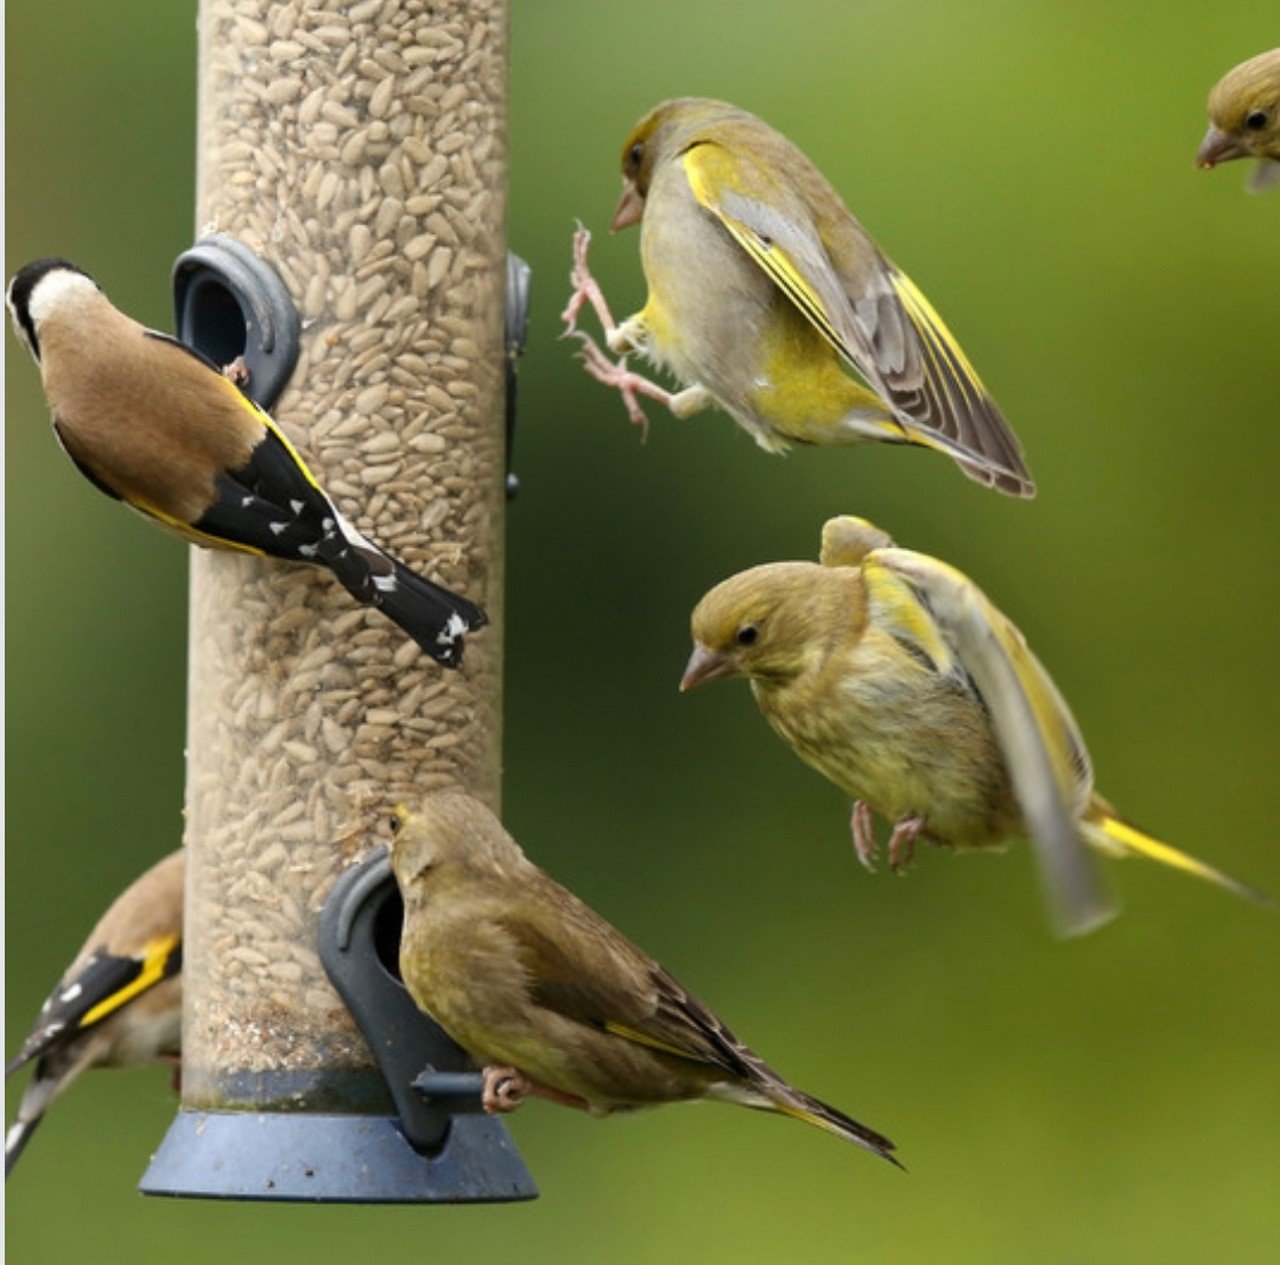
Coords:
119,1003
894,676
553,1000
149,421
768,298
1244,119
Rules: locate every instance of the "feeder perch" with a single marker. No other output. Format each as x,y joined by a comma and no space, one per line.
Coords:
229,303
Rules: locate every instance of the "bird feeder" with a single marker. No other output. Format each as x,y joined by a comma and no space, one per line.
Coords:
358,151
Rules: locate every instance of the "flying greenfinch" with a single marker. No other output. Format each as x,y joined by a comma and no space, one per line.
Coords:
768,298
119,1004
894,676
550,998
1244,119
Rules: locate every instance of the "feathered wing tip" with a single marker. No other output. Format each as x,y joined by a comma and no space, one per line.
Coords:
40,1092
802,1106
15,1141
436,618
1110,834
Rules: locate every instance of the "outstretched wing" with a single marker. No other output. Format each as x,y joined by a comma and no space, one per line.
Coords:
946,614
868,310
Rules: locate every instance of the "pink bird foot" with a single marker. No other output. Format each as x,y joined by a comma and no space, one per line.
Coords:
902,843
505,1088
864,836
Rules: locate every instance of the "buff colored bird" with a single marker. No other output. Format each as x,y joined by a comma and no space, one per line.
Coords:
895,677
119,1004
1244,119
768,298
152,423
552,999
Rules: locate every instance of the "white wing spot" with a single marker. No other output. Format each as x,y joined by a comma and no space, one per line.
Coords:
296,506
452,630
308,551
385,583
69,995
278,528
245,502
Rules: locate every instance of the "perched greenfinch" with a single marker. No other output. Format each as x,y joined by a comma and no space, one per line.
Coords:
768,298
119,1004
894,676
1244,119
551,999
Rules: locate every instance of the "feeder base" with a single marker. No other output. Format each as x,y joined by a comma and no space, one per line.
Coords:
298,1158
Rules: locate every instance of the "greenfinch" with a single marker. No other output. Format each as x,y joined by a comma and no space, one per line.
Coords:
550,998
768,298
152,423
894,676
119,1004
1244,119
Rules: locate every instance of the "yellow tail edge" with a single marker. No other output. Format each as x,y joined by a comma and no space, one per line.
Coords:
1119,836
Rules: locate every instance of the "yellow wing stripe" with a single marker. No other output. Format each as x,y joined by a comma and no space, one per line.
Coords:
191,533
927,321
902,611
641,1038
156,955
261,416
775,261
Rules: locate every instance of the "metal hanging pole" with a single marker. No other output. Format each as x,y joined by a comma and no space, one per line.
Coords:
360,150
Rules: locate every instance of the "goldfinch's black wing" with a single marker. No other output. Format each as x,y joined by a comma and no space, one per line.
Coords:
867,309
950,623
101,985
274,505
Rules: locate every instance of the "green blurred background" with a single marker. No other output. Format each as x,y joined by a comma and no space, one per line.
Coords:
1031,166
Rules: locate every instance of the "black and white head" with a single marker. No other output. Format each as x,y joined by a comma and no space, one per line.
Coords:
41,288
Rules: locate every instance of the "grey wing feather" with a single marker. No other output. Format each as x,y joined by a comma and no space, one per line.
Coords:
1041,743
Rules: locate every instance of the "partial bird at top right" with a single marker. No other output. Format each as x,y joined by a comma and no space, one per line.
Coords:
768,299
1244,120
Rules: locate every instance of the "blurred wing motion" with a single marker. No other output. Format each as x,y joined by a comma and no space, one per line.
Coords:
944,612
870,313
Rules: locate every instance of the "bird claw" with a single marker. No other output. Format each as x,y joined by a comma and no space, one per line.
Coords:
902,843
585,288
237,372
617,375
505,1088
864,836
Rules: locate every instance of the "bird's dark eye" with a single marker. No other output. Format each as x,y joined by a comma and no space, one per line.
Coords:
634,155
1255,120
747,635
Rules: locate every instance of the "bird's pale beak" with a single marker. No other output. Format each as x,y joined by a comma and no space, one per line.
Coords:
1219,147
630,207
705,665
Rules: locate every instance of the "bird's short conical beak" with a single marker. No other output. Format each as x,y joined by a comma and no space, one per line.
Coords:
630,207
705,665
1218,147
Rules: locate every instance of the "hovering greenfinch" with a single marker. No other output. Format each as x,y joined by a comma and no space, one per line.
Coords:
768,298
894,676
1244,119
119,1004
550,998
